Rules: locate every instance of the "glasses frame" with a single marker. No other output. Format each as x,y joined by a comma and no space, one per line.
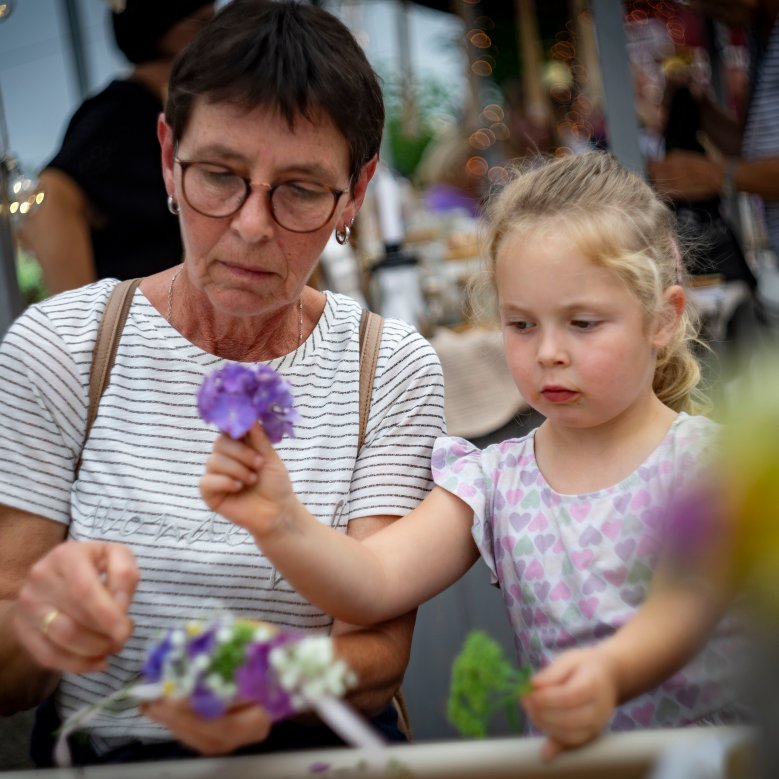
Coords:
249,187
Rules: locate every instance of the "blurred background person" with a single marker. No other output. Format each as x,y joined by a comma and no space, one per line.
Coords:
750,149
105,214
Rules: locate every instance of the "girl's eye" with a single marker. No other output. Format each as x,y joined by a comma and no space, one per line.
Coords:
584,324
522,326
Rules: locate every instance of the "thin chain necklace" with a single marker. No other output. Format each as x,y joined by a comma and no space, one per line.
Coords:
170,307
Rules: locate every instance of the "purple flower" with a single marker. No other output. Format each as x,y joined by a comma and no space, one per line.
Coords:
205,702
257,682
155,659
695,523
236,396
202,643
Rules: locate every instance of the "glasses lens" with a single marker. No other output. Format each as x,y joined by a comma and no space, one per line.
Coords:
213,191
302,206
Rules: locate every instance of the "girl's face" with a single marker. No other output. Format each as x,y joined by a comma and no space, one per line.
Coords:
577,342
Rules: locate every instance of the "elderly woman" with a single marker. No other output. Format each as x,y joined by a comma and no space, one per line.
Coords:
270,137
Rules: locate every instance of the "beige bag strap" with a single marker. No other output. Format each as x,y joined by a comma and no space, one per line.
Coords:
108,334
371,326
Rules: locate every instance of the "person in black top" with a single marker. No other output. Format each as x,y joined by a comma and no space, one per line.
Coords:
104,214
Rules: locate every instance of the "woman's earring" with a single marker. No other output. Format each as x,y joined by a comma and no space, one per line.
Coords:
173,206
342,235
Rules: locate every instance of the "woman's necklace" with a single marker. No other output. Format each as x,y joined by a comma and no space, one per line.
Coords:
170,307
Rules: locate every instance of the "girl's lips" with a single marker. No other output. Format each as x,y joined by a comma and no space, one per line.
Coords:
558,394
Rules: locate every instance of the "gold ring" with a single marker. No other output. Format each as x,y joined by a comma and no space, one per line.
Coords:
48,619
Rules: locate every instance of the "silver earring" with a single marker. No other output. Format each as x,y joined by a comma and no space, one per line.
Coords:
173,206
342,235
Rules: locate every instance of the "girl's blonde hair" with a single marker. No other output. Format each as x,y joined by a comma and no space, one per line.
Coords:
617,221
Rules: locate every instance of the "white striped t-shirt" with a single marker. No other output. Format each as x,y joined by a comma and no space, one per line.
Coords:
138,483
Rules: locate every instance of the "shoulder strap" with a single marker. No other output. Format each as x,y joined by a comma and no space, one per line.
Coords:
371,326
108,334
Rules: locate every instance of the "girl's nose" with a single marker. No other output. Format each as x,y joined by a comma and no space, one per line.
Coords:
552,349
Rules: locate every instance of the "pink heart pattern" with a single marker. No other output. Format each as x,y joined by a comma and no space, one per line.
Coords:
575,568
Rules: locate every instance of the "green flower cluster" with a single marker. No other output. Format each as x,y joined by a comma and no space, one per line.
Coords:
483,681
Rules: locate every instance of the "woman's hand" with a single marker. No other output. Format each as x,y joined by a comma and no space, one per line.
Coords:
573,699
241,725
687,174
71,611
246,482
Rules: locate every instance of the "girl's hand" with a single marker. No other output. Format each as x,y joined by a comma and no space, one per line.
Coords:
246,482
71,611
241,725
573,699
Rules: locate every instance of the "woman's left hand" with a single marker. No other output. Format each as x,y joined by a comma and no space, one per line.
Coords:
238,727
573,699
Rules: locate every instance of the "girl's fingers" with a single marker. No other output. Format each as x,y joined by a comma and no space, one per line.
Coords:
561,720
564,696
261,443
556,672
214,486
225,465
556,744
239,451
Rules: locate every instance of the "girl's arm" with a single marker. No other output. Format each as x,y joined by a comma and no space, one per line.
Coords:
361,583
574,697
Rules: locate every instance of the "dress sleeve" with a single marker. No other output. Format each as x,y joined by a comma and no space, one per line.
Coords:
458,467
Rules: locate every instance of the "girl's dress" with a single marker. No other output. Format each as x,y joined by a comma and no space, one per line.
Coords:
575,568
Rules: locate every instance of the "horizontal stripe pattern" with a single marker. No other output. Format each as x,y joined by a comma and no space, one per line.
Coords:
147,450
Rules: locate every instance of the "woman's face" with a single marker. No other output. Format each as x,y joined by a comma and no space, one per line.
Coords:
246,263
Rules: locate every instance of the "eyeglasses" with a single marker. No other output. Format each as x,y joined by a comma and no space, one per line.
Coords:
297,206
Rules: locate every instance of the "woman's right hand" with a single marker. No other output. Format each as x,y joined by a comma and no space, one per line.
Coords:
246,482
71,611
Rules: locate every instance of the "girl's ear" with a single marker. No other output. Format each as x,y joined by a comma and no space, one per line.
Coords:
674,301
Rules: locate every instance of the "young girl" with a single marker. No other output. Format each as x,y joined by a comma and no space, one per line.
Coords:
571,518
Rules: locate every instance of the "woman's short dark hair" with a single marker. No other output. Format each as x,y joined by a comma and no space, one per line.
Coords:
298,59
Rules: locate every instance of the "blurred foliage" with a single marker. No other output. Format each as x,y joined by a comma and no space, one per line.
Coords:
434,105
484,681
30,278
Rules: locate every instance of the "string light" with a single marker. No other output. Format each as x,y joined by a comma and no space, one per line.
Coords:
23,193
